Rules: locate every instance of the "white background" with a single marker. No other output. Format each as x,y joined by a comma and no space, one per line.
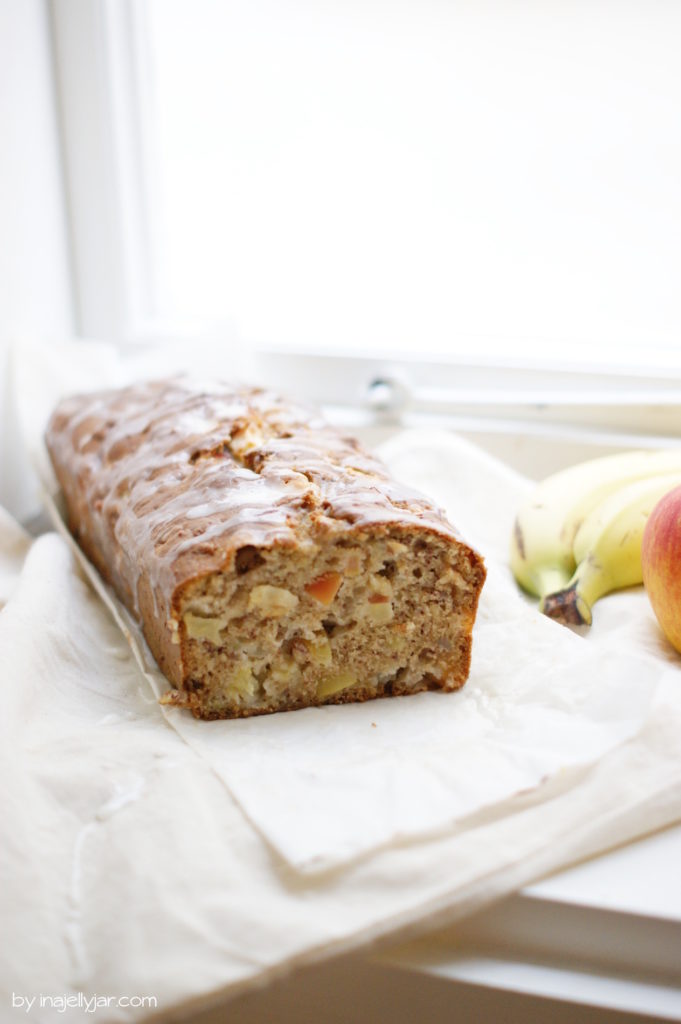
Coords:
423,175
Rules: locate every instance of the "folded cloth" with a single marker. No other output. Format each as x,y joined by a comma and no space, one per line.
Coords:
145,853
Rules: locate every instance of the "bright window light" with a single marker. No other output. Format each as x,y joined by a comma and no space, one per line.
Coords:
422,176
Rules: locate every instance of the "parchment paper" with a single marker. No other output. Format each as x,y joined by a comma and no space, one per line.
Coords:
326,785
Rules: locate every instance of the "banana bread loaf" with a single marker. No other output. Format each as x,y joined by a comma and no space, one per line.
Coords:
270,561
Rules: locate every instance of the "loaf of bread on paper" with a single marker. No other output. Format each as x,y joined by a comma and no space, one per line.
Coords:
271,562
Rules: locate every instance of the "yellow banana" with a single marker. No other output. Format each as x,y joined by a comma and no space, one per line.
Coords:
541,555
607,549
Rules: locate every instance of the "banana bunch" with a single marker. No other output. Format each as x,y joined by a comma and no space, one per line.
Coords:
578,537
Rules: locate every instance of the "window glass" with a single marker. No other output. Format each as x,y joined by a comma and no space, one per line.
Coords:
423,175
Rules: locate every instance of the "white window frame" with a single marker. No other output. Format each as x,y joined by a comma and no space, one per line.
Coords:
626,408
103,102
101,67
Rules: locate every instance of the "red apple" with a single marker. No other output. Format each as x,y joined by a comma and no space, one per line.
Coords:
661,562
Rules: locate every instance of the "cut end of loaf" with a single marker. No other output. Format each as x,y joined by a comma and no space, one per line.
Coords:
385,613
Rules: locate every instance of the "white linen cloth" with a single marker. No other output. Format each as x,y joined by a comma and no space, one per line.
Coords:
147,853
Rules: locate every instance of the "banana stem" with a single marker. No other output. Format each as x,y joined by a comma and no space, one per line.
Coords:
572,604
567,606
